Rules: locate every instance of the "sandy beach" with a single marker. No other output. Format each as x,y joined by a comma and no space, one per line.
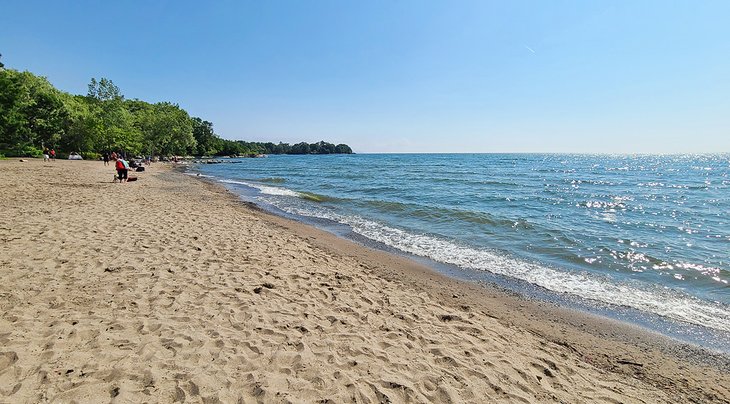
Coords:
170,289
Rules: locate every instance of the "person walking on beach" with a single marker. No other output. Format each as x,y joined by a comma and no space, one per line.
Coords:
106,159
45,155
53,155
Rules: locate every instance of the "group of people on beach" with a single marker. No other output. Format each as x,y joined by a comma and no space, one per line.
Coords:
49,155
123,166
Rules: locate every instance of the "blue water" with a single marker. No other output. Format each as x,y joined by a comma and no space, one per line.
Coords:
647,232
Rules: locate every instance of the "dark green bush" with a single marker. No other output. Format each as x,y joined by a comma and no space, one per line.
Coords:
90,155
22,151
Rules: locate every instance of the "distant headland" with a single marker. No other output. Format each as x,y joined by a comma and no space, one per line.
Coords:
35,116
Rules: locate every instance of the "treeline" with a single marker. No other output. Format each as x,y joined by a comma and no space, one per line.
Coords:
299,148
35,115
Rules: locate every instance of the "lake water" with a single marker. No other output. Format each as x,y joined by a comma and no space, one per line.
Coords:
647,232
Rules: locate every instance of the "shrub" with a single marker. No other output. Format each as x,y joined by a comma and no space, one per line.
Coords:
22,151
90,155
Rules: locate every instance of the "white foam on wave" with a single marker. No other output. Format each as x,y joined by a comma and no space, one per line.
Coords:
265,189
193,174
662,301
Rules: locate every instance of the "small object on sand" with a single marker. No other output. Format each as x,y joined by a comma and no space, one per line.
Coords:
625,362
448,317
22,161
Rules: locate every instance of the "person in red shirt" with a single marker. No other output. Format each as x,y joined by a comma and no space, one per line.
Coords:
122,169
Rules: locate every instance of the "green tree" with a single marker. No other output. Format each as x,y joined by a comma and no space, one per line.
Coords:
14,100
321,147
32,113
168,130
80,132
113,124
343,149
300,148
208,143
104,90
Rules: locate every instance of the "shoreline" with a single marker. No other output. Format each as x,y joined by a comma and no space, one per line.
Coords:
561,342
626,317
597,325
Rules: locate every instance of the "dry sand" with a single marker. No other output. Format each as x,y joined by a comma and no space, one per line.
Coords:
169,289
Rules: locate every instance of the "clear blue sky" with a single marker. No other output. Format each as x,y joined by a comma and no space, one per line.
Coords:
404,76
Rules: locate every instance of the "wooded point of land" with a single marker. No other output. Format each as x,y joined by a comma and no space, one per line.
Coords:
34,115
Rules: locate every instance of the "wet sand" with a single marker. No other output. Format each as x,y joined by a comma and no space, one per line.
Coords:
170,289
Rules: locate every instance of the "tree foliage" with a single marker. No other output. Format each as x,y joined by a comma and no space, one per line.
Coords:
32,112
35,115
104,90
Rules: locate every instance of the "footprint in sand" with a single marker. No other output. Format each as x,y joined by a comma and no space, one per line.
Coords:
7,359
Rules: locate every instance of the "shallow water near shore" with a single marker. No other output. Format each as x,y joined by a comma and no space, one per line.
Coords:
644,238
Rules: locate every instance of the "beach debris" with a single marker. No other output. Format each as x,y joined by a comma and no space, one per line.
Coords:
449,317
626,362
266,285
115,391
258,391
112,269
395,385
